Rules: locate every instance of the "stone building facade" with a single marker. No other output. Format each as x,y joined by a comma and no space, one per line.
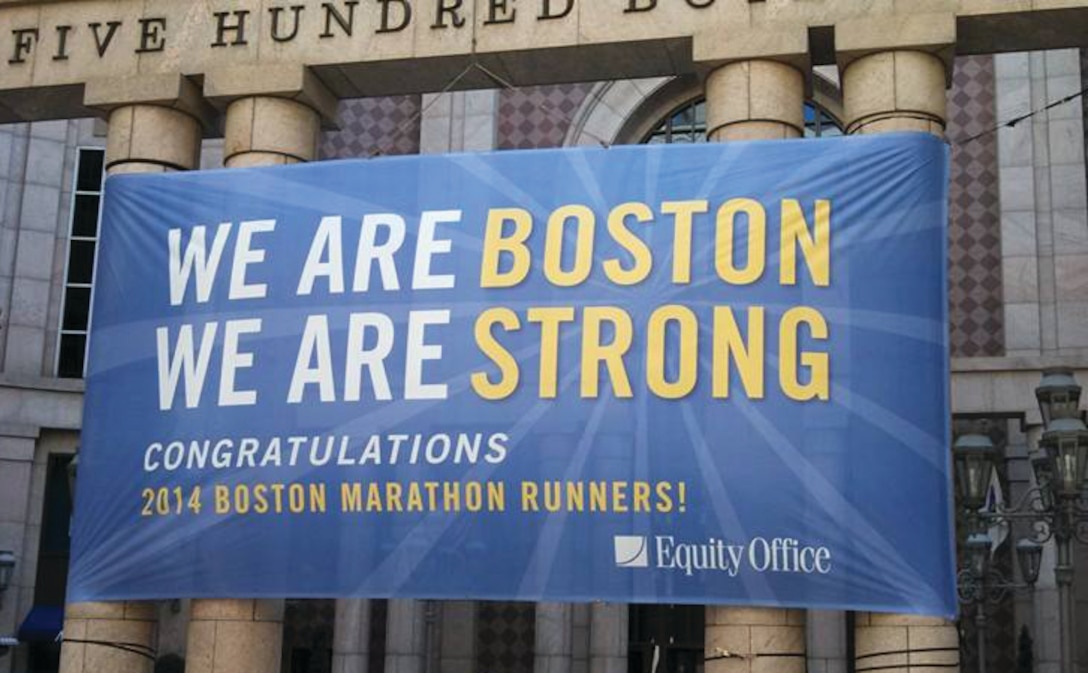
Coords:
1018,242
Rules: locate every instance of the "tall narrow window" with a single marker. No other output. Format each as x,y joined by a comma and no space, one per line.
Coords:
79,271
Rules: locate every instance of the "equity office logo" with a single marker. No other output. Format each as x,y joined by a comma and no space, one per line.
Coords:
760,554
631,551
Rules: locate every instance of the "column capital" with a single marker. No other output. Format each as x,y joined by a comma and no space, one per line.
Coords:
169,91
293,82
786,44
932,33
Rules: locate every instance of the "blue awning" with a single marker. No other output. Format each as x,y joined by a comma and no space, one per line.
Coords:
42,625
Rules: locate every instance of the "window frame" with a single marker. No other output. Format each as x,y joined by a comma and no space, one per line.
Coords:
663,127
71,238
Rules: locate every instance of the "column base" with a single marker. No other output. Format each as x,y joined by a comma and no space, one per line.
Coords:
755,640
905,644
114,637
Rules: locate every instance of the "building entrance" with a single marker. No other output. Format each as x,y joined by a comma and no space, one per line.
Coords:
666,639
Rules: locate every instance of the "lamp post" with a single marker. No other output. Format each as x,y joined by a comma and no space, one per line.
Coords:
978,583
1056,508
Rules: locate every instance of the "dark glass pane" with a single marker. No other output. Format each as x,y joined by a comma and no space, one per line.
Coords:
77,308
810,114
72,350
90,170
683,117
81,262
700,113
57,512
828,125
85,216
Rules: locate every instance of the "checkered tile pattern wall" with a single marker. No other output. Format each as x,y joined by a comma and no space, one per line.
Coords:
373,126
977,313
538,117
504,637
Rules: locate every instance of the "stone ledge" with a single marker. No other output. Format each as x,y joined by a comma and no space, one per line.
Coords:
42,383
1076,360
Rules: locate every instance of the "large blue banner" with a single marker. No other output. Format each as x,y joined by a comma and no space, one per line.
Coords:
703,374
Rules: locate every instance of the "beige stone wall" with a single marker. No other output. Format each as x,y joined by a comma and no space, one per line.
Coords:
368,48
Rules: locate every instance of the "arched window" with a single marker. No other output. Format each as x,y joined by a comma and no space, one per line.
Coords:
687,124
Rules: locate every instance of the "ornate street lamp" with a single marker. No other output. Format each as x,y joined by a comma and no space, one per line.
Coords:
1056,507
1066,445
1029,556
974,456
1058,395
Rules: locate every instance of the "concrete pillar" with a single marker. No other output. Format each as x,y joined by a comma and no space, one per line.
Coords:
351,636
92,632
268,122
553,649
235,636
905,644
265,131
152,139
895,91
406,637
900,87
755,100
155,126
274,114
608,638
458,642
753,640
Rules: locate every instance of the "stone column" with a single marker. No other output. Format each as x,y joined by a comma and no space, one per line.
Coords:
272,117
155,126
905,644
406,637
752,640
895,72
151,139
553,644
92,632
895,91
608,638
266,131
351,636
755,96
894,78
235,636
755,100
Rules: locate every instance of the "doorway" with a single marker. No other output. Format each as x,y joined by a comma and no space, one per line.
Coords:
666,639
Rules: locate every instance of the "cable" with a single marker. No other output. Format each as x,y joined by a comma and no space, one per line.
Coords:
131,648
1024,117
546,107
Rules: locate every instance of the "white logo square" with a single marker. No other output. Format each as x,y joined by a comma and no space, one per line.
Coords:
632,551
